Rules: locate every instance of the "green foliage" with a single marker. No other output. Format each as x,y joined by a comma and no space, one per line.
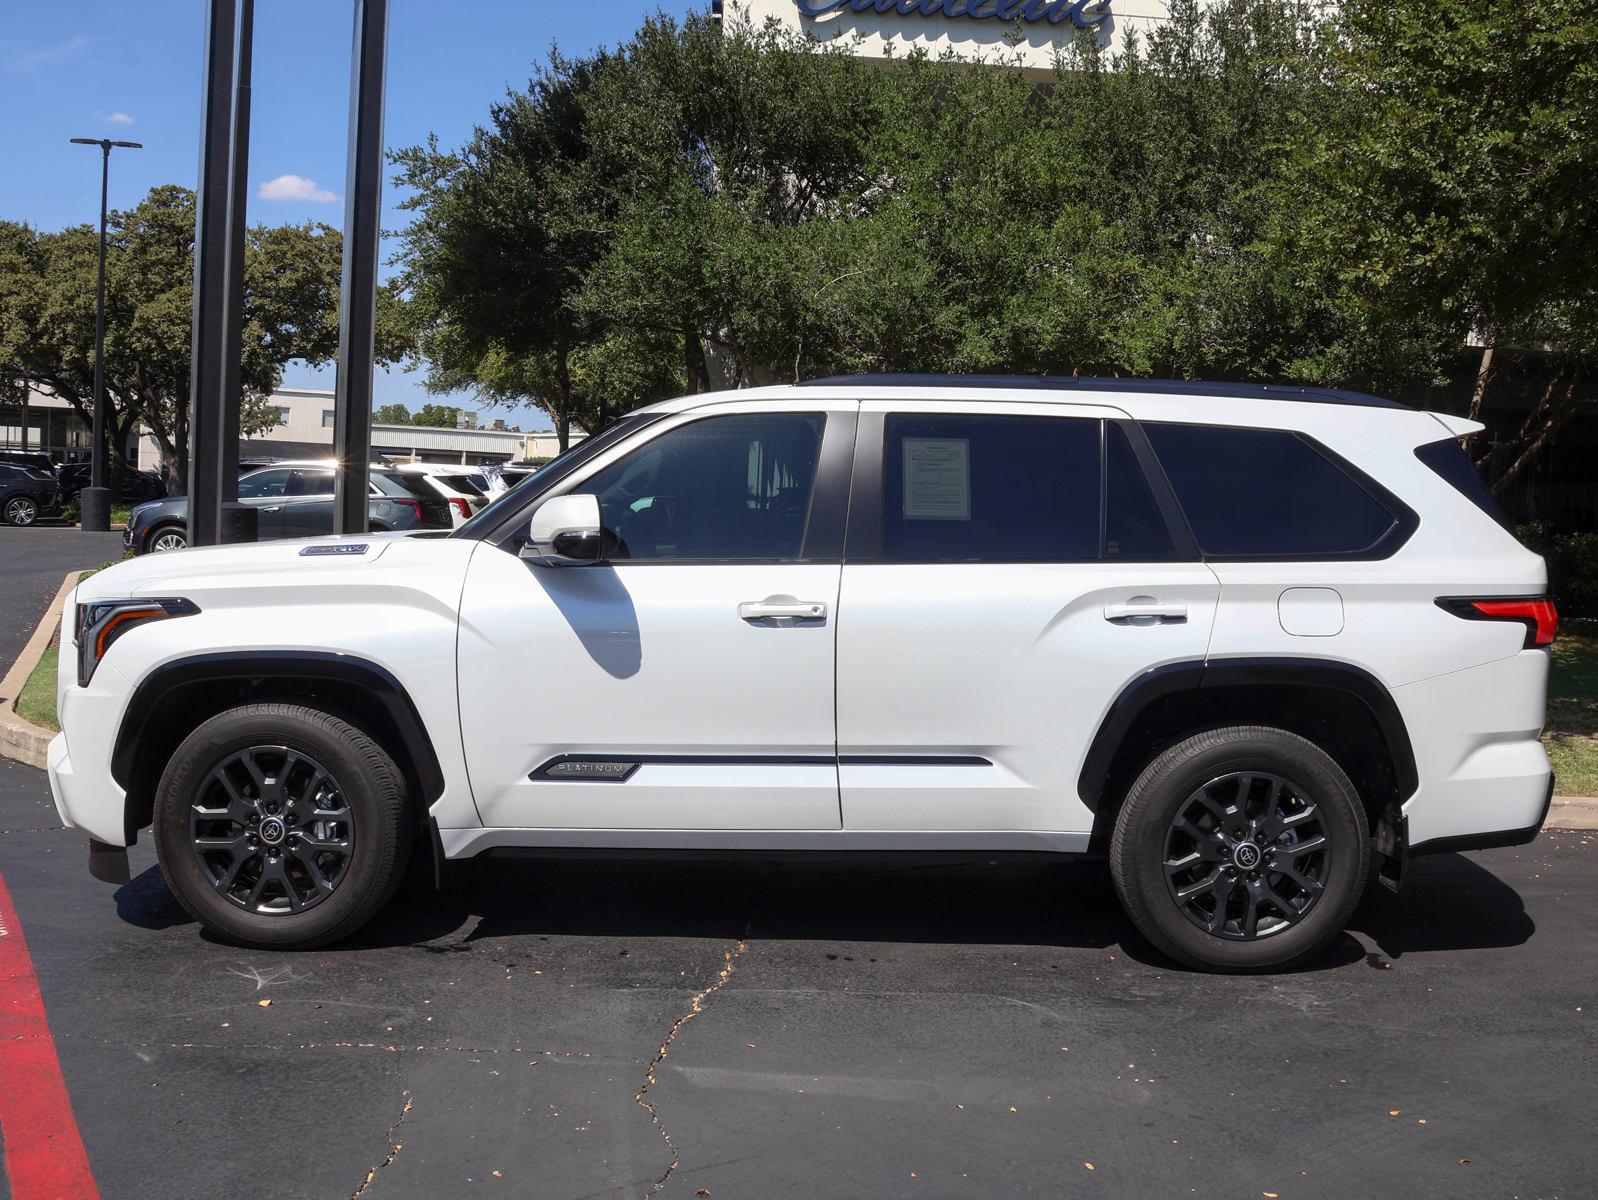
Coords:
47,314
437,416
1258,188
392,414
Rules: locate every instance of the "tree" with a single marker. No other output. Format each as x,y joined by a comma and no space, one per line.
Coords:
47,316
437,416
392,414
1470,193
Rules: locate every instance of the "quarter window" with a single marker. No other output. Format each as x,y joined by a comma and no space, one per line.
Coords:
1268,493
969,487
730,488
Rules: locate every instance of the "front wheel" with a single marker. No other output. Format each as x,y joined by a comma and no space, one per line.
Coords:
169,537
21,510
281,826
1241,849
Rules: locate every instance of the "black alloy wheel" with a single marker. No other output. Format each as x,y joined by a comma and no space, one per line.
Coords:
1246,855
272,830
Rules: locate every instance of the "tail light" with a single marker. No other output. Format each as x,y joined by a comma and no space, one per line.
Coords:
101,623
459,504
1537,613
414,505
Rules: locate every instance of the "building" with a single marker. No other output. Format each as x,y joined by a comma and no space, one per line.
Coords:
1033,31
305,430
44,423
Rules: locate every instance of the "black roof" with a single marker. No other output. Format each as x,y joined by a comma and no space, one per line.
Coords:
1178,387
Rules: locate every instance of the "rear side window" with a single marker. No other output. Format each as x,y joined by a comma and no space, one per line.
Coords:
1448,459
461,483
971,487
1270,493
398,483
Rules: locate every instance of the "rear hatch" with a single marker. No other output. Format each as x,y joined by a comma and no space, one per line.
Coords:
409,489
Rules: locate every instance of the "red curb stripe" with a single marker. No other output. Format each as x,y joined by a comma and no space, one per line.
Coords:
44,1153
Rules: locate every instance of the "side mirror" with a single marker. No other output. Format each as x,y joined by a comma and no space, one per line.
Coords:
566,531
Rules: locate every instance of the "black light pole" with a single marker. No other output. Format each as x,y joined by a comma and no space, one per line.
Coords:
215,514
95,500
357,333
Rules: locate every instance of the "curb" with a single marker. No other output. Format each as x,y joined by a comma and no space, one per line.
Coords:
21,739
1573,812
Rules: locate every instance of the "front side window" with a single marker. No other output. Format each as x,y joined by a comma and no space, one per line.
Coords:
1268,493
261,485
968,487
729,488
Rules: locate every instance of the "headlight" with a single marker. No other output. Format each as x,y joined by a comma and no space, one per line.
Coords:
102,622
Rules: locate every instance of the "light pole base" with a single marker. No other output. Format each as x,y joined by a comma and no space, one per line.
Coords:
240,522
94,509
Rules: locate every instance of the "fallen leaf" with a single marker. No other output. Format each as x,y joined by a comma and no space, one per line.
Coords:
1012,1108
499,1174
1089,1166
702,1192
1464,1162
1393,1112
264,1003
1270,1195
1422,1121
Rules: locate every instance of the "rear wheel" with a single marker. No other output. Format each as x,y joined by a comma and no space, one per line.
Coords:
21,510
1241,849
281,826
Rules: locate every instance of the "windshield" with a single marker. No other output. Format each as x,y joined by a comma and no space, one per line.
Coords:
489,517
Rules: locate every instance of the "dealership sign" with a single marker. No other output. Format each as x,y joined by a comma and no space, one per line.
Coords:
1084,14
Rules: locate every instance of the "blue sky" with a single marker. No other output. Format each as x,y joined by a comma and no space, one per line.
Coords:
97,68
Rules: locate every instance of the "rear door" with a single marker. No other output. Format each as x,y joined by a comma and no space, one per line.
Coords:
1009,571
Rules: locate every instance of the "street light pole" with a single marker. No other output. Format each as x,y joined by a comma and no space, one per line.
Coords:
95,500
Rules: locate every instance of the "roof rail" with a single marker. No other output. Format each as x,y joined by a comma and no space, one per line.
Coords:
1178,387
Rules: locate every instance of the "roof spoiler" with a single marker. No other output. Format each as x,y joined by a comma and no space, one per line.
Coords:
1458,426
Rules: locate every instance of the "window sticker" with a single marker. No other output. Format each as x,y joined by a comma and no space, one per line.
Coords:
937,479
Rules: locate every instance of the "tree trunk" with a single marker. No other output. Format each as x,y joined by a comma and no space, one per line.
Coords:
563,384
694,366
1478,395
1556,419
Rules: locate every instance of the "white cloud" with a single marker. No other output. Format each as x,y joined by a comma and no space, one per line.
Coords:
120,118
295,187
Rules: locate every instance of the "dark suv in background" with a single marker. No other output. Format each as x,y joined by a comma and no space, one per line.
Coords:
295,500
25,494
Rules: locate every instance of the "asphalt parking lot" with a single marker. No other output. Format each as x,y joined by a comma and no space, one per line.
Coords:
573,1029
33,562
832,1030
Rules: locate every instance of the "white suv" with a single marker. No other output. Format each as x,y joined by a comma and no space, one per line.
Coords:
1235,637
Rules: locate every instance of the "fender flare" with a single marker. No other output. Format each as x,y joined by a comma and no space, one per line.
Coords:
251,665
1320,673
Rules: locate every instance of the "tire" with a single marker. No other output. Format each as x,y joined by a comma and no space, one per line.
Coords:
1285,898
168,537
236,882
21,510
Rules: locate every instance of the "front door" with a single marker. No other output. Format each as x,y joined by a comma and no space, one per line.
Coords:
1009,571
686,682
265,491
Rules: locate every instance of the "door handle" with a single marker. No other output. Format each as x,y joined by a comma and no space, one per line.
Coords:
782,606
273,508
1159,612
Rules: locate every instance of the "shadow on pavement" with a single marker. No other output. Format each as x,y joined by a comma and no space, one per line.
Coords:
1449,903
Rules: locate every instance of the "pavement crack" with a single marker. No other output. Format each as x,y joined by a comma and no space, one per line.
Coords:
729,964
394,1147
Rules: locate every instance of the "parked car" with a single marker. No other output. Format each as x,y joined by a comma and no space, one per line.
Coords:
464,490
25,494
137,486
499,479
32,459
1241,640
293,500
